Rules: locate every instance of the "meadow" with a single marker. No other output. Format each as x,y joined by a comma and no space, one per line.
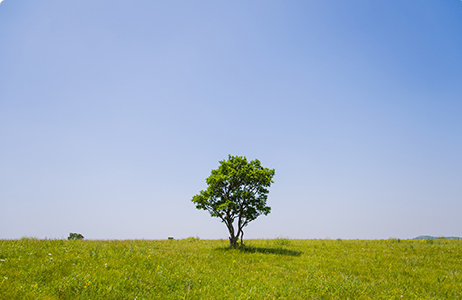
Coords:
208,269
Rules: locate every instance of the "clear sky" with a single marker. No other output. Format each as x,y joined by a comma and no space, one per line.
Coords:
113,113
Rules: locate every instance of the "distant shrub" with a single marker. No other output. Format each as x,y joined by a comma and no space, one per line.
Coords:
193,239
281,241
29,238
75,236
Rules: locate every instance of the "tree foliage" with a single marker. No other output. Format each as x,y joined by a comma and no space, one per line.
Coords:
75,236
237,191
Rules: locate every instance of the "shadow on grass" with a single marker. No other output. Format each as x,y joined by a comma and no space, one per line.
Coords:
251,249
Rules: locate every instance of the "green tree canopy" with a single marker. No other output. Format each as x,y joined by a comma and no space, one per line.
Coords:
237,191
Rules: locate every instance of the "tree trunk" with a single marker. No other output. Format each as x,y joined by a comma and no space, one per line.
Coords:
232,238
233,241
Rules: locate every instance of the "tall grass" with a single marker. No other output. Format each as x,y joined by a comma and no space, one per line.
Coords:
208,269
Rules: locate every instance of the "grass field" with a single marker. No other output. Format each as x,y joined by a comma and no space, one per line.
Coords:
208,269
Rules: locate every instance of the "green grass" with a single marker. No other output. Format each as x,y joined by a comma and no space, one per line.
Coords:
208,269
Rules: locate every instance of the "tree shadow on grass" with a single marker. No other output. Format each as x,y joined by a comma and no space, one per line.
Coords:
251,249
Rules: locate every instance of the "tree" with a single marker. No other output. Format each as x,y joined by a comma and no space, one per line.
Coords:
237,191
75,236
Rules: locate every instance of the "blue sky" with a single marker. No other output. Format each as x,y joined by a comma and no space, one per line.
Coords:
113,113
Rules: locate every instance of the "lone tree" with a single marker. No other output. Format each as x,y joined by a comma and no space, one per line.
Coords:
237,191
75,236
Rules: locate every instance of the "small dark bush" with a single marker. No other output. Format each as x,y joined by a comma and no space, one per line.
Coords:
75,236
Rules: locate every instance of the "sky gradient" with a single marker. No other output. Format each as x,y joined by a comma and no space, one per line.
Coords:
113,113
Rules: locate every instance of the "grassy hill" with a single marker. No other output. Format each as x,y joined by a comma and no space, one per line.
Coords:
208,269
